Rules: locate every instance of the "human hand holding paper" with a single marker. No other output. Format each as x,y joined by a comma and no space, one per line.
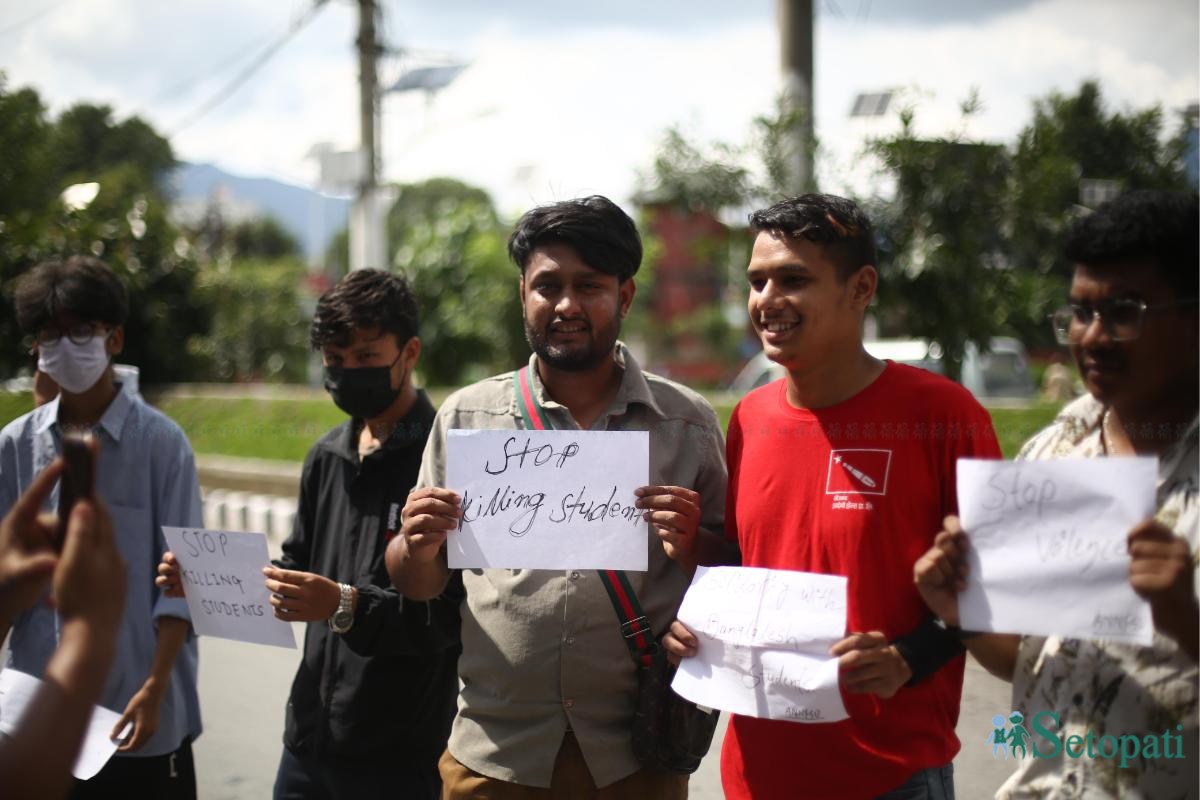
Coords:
301,596
680,642
169,579
226,593
941,573
1048,552
427,518
674,514
1161,572
763,639
870,664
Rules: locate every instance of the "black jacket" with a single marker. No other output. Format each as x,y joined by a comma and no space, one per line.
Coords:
387,688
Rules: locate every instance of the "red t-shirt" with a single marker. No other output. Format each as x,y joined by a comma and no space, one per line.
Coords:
858,489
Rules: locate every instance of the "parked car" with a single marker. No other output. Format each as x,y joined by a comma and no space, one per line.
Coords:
1003,372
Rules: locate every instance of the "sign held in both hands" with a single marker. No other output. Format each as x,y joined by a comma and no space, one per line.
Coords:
1048,553
548,499
764,639
226,593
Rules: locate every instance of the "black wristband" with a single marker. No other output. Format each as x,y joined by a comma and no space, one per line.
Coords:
927,648
959,633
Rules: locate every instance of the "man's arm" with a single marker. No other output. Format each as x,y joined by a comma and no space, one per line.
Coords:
142,709
940,575
416,559
298,595
690,520
385,622
177,503
1162,572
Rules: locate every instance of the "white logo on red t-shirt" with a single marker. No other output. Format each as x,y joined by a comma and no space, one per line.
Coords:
858,471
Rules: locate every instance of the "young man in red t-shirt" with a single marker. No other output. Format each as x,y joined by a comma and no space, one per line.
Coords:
842,468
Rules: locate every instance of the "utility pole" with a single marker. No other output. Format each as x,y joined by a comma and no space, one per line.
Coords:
796,59
368,90
368,236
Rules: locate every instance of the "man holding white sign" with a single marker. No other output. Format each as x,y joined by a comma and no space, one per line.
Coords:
548,682
74,311
1099,706
372,700
840,469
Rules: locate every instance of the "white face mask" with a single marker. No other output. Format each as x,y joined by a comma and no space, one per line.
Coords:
74,367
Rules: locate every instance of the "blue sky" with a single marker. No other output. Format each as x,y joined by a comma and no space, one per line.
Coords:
562,99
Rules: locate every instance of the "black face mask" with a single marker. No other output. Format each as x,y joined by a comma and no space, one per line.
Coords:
362,392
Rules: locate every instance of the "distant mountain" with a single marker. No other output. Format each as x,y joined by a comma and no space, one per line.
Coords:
312,217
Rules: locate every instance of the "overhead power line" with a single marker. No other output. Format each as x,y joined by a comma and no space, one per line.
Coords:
248,71
184,87
32,18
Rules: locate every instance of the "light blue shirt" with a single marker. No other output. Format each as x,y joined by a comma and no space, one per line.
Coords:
146,475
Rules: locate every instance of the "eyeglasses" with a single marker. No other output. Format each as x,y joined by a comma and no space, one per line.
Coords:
1120,319
79,333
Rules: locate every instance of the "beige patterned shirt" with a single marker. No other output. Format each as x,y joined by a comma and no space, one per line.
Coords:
1106,687
542,649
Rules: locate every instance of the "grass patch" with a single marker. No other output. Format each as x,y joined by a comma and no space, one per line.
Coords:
13,405
286,429
1014,426
279,429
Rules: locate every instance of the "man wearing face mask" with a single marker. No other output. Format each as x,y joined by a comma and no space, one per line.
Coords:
372,701
74,313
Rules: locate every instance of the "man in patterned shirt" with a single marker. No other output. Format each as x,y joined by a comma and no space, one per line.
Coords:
1132,328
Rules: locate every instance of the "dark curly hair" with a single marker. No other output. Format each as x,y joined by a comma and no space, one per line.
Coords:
599,231
836,224
79,286
366,298
1158,225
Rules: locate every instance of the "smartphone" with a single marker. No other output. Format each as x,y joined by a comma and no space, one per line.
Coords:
78,478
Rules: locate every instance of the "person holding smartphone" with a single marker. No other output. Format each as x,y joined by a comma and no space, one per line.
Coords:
73,312
88,583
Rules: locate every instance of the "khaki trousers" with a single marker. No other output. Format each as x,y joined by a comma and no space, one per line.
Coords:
571,781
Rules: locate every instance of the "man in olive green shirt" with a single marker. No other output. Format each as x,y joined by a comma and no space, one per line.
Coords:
548,685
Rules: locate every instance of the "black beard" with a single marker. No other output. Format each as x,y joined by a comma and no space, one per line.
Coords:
573,361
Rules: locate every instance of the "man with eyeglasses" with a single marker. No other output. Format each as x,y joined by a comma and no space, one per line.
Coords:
74,310
1132,327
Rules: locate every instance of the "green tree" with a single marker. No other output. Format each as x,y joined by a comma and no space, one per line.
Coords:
718,176
1073,138
970,243
86,140
259,331
692,177
707,180
445,236
24,142
264,238
944,275
126,224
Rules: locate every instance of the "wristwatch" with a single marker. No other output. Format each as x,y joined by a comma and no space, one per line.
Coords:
343,619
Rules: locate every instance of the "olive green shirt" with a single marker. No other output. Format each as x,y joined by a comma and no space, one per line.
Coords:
542,649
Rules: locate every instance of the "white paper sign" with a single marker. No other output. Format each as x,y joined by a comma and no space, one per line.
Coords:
16,693
1048,546
764,638
226,590
548,499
